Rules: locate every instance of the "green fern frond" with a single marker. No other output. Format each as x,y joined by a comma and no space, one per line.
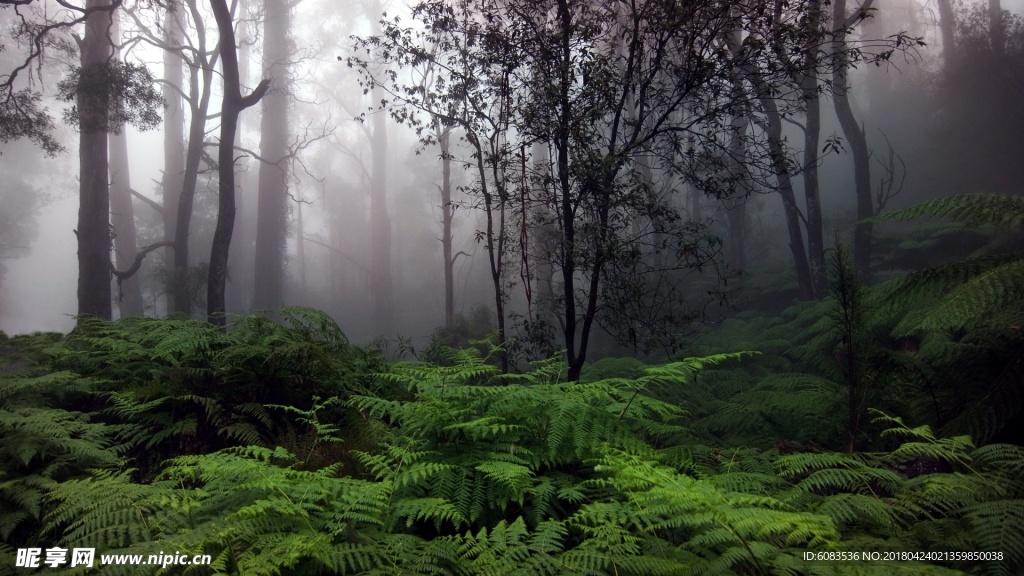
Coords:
994,289
972,209
999,526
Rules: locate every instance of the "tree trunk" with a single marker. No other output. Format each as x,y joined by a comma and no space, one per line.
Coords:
122,213
272,219
543,240
94,199
232,105
174,140
443,136
812,193
240,263
856,138
995,28
736,202
947,30
380,223
812,134
300,243
576,357
785,187
123,223
193,155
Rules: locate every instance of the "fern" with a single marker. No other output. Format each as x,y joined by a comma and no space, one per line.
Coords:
972,209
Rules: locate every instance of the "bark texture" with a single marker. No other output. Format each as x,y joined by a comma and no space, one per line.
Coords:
94,197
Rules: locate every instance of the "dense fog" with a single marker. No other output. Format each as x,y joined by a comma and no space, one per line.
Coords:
343,159
538,287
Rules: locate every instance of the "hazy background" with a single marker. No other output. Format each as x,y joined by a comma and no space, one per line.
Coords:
927,123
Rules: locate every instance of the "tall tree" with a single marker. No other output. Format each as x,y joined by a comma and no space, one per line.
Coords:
93,229
947,30
106,94
272,217
807,78
201,61
172,182
122,212
843,23
232,104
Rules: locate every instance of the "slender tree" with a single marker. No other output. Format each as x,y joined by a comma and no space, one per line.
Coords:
843,23
122,212
201,61
232,104
172,182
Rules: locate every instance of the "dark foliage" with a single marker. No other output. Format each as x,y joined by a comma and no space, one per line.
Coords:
125,90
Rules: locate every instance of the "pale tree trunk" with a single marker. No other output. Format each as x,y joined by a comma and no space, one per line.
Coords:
122,213
122,217
174,139
300,243
380,223
947,30
543,241
94,200
241,260
272,218
232,105
443,139
855,137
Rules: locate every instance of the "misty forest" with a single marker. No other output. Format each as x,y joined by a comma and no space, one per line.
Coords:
538,287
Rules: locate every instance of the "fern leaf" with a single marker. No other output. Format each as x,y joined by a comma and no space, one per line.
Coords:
972,209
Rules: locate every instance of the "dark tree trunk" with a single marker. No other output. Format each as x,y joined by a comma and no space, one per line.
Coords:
812,194
232,105
122,214
94,199
230,108
736,203
576,356
812,134
785,187
174,140
272,218
193,155
856,139
494,235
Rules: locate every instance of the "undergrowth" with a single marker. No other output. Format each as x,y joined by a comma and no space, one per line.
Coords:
862,424
463,470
